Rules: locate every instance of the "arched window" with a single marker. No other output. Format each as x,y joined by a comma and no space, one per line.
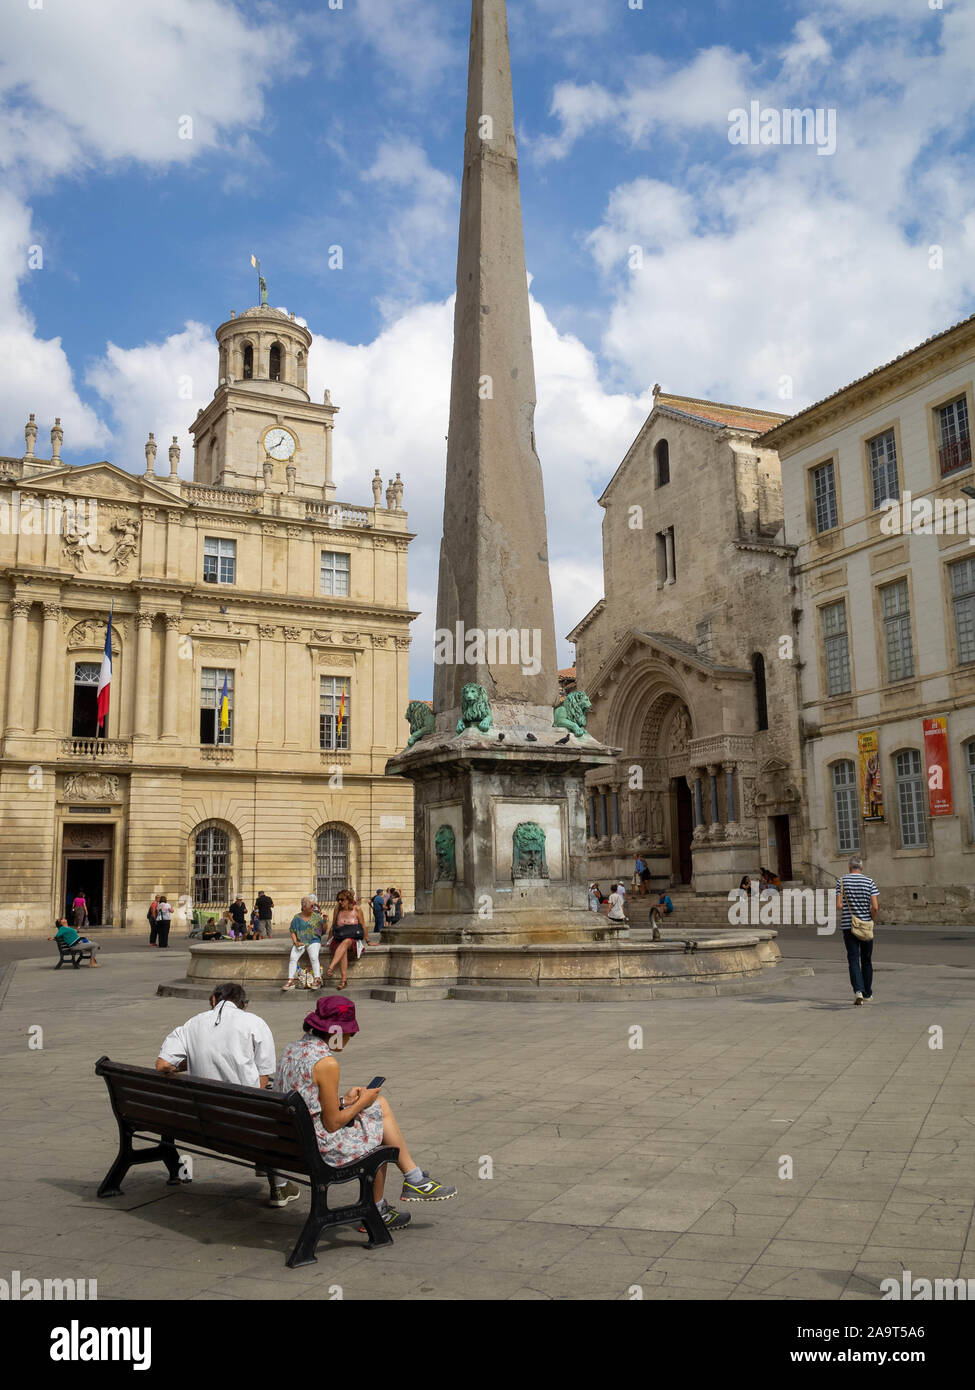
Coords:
761,695
211,863
274,363
248,362
846,808
662,457
331,863
909,785
302,371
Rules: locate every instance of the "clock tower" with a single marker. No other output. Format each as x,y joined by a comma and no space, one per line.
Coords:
262,429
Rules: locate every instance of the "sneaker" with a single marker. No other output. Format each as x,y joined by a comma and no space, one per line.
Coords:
858,998
287,1192
868,998
397,1220
426,1190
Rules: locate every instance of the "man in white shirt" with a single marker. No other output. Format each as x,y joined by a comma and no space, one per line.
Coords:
227,1044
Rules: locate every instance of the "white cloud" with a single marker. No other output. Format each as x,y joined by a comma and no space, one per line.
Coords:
92,85
157,387
109,80
35,374
655,97
421,226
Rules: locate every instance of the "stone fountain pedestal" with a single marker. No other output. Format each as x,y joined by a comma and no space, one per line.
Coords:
612,968
474,795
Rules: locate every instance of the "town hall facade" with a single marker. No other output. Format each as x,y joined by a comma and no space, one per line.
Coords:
252,582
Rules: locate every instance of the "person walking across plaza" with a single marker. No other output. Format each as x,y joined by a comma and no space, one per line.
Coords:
306,936
858,900
378,903
265,913
350,1126
164,917
227,1044
151,919
79,910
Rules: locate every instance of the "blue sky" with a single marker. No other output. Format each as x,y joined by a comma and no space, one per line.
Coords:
314,127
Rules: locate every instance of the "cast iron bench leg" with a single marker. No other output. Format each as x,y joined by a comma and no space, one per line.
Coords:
304,1251
165,1151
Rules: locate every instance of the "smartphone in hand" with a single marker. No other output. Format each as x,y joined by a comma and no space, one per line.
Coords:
375,1083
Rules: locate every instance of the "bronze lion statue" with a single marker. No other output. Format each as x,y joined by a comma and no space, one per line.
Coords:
474,709
572,712
421,720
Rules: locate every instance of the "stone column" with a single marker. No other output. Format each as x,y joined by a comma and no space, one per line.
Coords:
329,490
671,561
170,680
19,610
141,724
732,809
698,799
616,812
713,770
291,471
48,674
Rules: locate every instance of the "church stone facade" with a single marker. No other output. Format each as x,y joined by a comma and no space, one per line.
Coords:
251,580
689,659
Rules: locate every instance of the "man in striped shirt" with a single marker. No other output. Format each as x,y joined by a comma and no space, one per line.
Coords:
858,894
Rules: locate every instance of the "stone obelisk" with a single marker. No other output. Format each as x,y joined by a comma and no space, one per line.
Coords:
500,848
493,558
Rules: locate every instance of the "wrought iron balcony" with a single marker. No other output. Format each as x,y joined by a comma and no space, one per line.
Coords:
957,454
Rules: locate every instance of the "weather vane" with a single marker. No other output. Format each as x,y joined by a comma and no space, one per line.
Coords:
263,283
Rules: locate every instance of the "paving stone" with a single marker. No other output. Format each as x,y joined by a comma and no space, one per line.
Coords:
658,1170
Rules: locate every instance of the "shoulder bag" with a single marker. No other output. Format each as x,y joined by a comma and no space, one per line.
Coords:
861,927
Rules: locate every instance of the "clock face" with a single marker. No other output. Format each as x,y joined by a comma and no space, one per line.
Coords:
279,443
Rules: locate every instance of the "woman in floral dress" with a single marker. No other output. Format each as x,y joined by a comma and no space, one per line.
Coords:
350,1126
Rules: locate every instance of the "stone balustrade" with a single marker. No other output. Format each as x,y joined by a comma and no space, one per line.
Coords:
103,750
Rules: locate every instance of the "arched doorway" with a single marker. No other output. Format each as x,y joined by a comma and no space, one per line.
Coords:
651,721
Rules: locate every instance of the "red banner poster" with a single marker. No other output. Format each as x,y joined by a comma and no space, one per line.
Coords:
939,772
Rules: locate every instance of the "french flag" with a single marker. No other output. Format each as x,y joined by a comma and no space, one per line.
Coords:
105,676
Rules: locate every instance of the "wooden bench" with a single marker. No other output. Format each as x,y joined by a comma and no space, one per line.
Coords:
267,1129
75,954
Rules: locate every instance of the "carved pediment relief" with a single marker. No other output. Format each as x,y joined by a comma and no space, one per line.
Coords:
90,632
91,786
